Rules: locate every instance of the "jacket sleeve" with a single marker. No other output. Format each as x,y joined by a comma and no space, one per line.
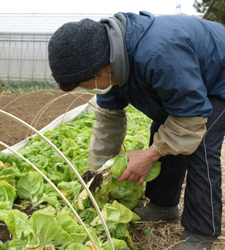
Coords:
108,134
179,135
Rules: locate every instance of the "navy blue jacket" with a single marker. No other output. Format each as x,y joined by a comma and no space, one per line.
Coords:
175,62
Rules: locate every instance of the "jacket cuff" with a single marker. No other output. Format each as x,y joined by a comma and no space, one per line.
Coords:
180,135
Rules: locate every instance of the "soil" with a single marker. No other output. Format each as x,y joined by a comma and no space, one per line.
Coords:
26,106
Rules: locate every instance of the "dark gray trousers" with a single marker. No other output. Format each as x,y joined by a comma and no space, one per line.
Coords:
202,201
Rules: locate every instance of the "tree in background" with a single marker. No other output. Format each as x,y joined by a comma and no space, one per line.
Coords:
213,10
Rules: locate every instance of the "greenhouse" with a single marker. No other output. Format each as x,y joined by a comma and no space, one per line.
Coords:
23,43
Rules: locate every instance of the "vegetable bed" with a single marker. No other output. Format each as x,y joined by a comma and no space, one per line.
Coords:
51,224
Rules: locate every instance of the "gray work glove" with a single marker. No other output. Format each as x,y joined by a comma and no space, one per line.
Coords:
108,134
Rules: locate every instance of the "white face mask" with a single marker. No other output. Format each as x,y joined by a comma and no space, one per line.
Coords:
98,91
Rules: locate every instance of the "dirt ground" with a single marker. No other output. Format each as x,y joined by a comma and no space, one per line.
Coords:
26,106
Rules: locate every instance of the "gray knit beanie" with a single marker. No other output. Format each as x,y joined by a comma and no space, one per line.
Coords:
77,51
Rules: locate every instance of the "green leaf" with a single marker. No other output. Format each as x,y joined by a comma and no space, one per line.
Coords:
126,194
154,171
30,187
114,214
66,220
15,244
135,218
47,230
126,214
12,172
17,223
52,201
1,245
71,188
87,215
77,246
8,157
118,244
7,195
119,164
147,233
129,204
4,213
120,231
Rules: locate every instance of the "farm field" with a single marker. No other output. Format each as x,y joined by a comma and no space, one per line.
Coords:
152,236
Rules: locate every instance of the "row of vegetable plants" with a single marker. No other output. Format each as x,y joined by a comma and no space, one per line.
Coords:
55,224
16,87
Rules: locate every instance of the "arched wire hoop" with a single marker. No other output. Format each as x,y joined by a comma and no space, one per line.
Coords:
43,109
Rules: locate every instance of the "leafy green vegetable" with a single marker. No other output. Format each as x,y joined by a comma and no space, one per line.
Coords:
154,171
2,166
53,201
70,189
47,229
126,194
7,195
114,214
1,245
119,164
123,191
11,173
118,244
10,158
17,223
30,187
131,204
17,244
77,246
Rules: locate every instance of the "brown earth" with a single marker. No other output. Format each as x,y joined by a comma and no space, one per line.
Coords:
152,236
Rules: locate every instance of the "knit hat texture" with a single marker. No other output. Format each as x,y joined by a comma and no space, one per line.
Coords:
78,50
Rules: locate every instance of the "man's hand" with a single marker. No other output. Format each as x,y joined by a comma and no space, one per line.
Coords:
140,162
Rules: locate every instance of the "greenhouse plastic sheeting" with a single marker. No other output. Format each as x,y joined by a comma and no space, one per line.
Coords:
62,119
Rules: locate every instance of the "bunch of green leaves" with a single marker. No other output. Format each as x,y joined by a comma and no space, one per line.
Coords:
116,199
126,192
